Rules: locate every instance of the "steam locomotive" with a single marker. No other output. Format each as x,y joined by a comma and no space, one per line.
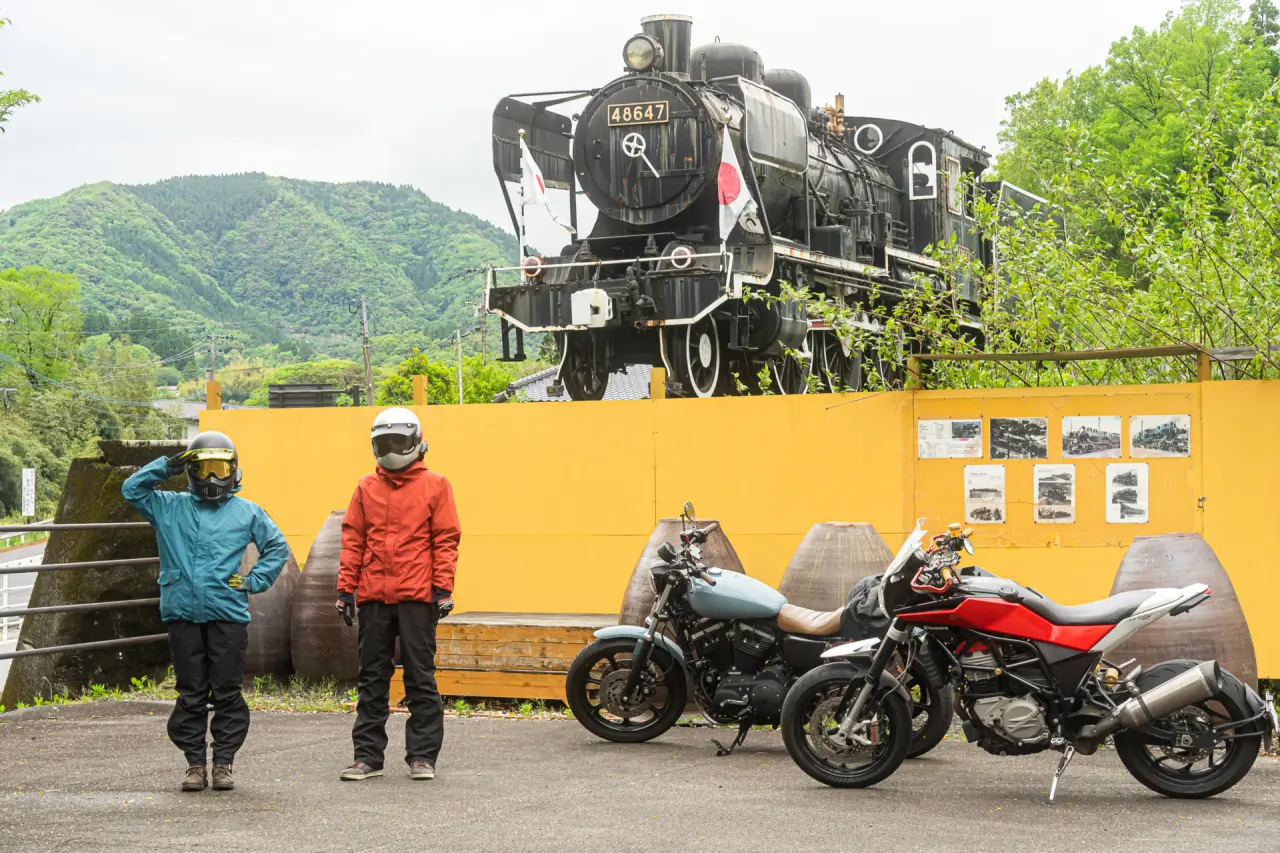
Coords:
843,205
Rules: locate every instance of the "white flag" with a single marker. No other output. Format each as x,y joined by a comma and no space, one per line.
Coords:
730,188
532,188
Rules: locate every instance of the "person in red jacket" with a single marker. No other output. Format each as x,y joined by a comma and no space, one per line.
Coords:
399,553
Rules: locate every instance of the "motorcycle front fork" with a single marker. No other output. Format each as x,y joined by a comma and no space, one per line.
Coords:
859,691
644,648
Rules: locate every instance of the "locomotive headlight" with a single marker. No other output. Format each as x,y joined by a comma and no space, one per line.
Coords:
642,53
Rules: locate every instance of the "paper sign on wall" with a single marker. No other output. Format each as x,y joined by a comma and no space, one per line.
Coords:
1127,494
1055,494
950,439
984,494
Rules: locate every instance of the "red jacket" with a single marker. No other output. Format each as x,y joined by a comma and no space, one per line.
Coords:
400,537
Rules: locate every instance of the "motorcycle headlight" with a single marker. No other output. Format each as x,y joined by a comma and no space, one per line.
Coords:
642,53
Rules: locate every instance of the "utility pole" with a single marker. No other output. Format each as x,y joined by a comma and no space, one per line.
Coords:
368,368
213,356
457,337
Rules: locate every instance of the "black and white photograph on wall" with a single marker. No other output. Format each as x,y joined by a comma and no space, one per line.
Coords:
1019,438
1159,435
1055,494
984,494
950,439
1091,437
1127,493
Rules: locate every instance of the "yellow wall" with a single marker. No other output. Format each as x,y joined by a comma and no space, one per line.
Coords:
557,501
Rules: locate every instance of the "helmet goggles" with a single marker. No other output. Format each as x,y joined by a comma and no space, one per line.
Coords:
215,462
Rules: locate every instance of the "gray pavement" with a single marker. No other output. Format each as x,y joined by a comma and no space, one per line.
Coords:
104,778
19,596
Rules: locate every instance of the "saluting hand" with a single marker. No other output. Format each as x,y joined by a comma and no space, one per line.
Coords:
177,462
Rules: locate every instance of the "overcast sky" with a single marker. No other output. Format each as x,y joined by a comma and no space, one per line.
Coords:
402,91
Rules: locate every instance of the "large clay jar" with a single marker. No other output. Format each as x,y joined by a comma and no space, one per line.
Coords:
832,557
269,619
321,644
638,599
1215,630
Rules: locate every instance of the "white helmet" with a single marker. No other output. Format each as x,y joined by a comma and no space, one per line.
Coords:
397,439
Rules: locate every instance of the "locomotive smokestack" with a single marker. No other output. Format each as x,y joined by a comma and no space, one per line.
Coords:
674,33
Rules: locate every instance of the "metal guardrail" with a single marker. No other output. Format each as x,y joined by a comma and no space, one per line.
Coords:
8,613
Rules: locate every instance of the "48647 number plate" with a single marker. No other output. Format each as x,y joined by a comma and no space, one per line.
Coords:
647,112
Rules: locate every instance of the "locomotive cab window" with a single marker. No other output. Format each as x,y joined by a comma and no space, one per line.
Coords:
955,194
923,160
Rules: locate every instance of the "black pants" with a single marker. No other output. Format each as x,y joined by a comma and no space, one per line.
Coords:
208,660
414,622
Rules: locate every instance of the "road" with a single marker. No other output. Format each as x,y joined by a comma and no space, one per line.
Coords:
19,597
70,780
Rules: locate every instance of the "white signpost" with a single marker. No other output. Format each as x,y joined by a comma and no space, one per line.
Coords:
28,492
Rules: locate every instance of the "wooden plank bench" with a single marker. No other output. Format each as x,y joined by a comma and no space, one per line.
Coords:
508,655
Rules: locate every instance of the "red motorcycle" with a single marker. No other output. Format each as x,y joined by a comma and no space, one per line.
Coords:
1028,675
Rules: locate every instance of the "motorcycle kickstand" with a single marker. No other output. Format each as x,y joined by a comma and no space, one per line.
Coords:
743,728
1067,754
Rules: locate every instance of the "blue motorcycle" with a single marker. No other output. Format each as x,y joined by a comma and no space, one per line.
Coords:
739,647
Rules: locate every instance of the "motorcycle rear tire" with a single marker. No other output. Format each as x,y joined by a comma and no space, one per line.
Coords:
826,680
1243,751
584,712
941,705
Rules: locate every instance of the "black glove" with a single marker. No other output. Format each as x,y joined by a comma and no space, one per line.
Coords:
346,607
444,601
177,463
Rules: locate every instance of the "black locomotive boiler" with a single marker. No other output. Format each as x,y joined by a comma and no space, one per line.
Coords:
845,206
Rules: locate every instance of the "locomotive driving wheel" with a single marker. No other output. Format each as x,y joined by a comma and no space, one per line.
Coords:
790,373
839,363
585,374
701,358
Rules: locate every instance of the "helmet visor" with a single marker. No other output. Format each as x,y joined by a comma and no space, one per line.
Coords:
202,469
390,443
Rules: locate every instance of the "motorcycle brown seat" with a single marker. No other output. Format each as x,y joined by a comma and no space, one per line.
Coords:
809,623
1108,611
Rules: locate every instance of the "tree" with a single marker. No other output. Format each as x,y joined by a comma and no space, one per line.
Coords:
1137,105
12,99
41,331
336,372
397,389
1265,20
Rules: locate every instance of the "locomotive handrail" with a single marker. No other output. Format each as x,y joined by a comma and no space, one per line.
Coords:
599,262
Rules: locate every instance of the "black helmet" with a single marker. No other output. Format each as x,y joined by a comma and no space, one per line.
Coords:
213,468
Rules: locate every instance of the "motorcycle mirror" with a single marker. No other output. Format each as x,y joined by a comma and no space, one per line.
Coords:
688,511
968,546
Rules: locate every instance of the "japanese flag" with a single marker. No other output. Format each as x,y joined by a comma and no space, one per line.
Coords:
734,197
532,188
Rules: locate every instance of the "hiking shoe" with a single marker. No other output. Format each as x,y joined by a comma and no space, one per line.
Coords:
420,770
359,771
222,779
195,778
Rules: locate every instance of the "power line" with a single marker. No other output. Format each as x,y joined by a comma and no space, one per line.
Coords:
88,394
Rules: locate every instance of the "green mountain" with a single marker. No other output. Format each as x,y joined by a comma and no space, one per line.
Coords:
269,257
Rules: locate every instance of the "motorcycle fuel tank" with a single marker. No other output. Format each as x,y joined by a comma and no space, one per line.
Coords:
734,596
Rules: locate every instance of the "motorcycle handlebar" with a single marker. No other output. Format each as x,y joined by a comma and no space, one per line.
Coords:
704,576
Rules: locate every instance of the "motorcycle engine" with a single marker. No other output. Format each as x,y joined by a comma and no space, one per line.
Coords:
1018,719
763,692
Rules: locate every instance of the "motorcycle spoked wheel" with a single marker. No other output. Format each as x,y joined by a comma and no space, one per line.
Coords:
595,683
932,705
809,730
1192,773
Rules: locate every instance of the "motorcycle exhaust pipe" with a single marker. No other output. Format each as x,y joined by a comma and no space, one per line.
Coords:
1195,685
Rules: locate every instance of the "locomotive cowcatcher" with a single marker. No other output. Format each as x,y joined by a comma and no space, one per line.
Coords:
844,206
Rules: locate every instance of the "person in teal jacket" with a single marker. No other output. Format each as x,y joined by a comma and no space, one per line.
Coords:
204,601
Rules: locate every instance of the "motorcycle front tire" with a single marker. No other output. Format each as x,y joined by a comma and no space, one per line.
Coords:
579,681
816,688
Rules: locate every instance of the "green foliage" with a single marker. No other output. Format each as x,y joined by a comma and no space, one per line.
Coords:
1138,106
12,99
266,259
336,372
481,381
44,308
1264,19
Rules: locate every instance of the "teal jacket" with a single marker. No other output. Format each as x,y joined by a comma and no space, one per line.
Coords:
201,544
